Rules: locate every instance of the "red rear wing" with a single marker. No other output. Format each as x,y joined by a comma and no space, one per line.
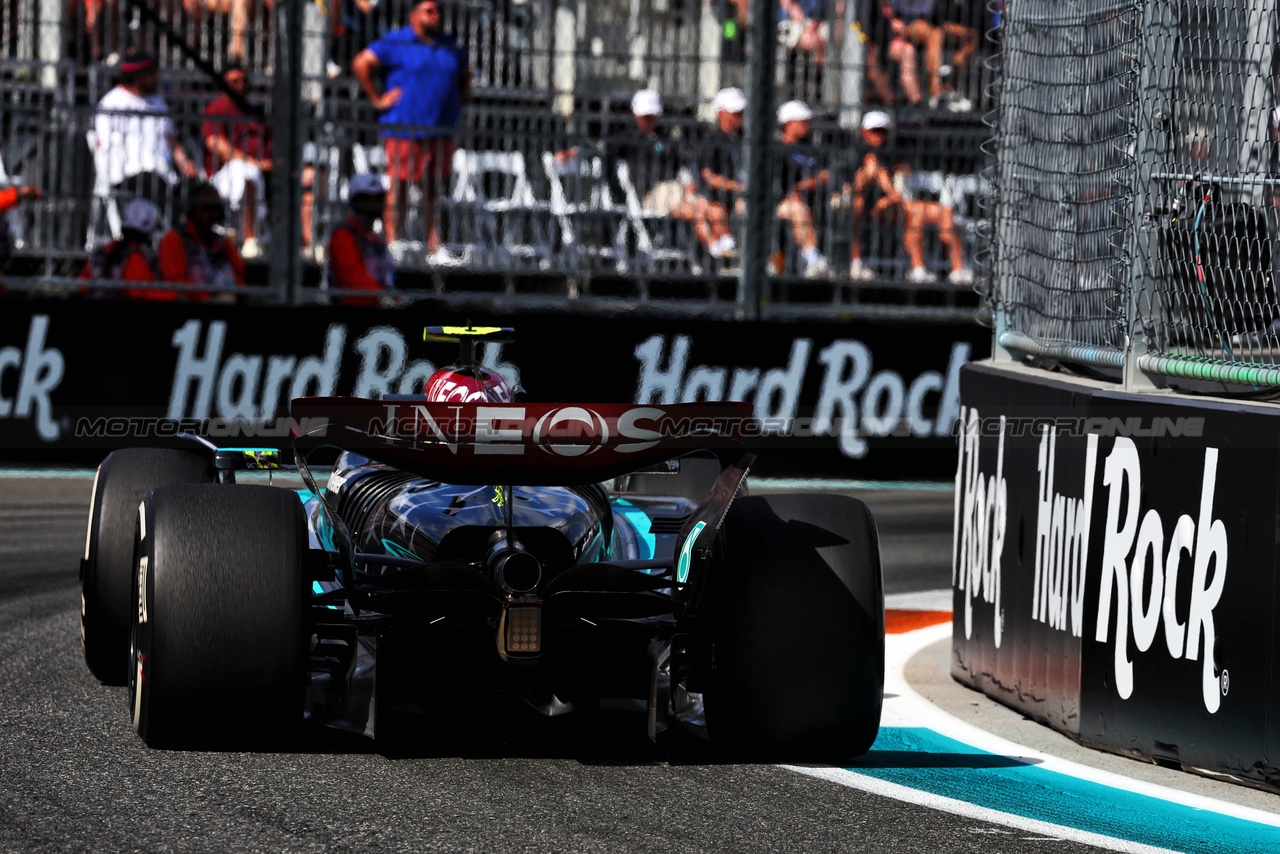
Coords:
519,443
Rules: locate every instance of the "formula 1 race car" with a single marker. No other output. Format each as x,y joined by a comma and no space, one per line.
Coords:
470,546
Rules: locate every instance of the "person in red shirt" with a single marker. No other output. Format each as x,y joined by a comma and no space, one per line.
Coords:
238,157
195,253
130,258
358,257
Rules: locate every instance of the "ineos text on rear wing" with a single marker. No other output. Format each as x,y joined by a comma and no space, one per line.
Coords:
521,443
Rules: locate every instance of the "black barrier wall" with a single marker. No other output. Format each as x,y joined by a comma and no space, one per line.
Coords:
853,399
1115,567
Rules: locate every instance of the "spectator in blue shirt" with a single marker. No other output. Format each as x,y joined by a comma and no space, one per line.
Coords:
427,79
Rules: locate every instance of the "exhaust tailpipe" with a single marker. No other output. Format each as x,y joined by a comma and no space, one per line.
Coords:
510,565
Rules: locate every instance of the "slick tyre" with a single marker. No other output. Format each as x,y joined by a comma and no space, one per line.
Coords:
106,572
216,642
694,480
797,607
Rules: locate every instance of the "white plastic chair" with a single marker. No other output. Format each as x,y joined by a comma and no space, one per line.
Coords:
103,201
963,194
639,222
499,227
369,158
592,200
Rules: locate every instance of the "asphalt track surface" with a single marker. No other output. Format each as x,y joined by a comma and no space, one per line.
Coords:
75,777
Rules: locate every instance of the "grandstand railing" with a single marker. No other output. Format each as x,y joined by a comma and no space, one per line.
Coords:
551,77
1137,149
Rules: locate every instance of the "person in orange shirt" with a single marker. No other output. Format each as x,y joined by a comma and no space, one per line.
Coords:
358,257
130,258
195,253
9,197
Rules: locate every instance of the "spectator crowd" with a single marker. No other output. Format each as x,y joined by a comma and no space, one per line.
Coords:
191,208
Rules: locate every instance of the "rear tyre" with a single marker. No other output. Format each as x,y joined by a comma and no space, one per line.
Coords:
106,573
797,608
216,639
694,480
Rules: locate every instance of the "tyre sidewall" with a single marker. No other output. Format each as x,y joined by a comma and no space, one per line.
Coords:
106,594
218,646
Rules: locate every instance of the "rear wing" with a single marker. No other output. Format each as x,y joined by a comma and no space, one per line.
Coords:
526,444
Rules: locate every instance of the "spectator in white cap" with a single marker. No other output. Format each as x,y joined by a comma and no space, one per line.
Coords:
647,103
655,167
720,169
801,176
876,197
650,155
130,258
358,259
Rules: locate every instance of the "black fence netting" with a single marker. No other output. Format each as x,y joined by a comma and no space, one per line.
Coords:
1137,150
1064,151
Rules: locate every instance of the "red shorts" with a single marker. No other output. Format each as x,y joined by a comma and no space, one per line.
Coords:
408,159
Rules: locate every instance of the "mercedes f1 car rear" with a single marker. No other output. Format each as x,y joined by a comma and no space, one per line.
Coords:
468,547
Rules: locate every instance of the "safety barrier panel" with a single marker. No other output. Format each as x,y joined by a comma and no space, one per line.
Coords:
1115,567
839,399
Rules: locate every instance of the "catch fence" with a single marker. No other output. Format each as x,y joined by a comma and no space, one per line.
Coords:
537,210
1137,149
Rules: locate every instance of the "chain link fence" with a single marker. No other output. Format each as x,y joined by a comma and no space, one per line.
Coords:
1136,154
536,208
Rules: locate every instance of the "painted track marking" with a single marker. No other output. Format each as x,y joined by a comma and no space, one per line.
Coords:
816,483
927,757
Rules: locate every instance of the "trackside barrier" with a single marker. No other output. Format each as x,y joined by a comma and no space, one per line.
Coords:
1115,567
832,399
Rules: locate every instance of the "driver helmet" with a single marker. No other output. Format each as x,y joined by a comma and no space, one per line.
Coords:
457,384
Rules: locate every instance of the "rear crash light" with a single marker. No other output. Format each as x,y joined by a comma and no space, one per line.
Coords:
522,629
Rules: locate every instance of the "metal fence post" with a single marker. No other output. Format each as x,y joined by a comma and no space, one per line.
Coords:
286,188
710,36
1255,94
1143,301
564,59
997,207
49,48
762,61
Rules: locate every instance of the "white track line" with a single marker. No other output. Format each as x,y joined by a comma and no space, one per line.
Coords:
967,810
912,709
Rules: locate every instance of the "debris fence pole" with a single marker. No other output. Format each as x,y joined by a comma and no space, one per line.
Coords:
762,52
286,189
